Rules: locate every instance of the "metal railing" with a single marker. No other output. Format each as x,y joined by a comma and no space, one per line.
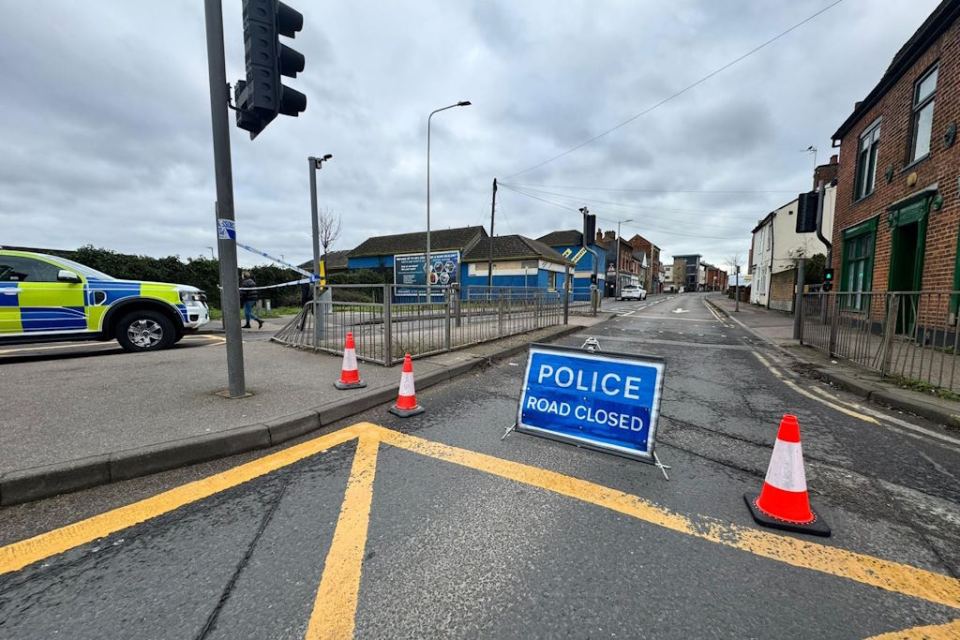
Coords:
910,335
388,321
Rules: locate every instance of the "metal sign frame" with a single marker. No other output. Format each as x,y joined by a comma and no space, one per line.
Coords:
648,456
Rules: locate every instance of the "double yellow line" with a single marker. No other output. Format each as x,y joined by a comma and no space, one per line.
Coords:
336,601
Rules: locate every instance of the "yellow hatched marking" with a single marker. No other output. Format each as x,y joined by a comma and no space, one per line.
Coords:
892,576
16,556
335,607
949,631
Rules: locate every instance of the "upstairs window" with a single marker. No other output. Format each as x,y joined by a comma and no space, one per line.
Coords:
867,161
924,94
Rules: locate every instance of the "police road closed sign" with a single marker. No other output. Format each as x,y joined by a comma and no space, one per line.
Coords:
604,401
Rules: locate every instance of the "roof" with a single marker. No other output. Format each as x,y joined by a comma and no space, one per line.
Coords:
932,28
336,259
566,238
440,240
513,247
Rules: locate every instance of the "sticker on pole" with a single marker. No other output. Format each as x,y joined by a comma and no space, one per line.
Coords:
604,401
226,229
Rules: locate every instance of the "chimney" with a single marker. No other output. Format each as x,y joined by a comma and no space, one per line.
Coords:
834,159
610,236
599,236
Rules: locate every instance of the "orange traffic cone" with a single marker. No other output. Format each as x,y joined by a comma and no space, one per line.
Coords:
349,373
406,405
783,502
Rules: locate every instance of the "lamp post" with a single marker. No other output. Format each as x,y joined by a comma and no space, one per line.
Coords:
315,165
616,292
462,103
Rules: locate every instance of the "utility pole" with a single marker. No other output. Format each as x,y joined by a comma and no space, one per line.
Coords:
798,303
226,229
493,208
616,288
737,301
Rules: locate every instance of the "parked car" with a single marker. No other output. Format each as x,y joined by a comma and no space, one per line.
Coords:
44,298
631,292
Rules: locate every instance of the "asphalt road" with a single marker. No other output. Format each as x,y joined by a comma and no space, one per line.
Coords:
435,527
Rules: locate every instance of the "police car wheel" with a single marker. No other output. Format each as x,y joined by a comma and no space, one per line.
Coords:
145,331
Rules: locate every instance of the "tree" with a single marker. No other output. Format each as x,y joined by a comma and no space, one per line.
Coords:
734,262
329,225
813,270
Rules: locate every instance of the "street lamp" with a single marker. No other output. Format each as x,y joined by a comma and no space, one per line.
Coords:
212,255
462,103
315,165
616,292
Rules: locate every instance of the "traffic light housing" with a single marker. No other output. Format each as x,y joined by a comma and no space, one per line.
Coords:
827,279
807,212
262,96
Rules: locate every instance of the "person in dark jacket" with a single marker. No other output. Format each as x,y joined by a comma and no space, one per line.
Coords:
248,298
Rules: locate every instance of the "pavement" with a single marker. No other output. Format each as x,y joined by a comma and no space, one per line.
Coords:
80,414
437,526
776,328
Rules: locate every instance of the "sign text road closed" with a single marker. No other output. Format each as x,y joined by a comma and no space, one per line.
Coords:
601,400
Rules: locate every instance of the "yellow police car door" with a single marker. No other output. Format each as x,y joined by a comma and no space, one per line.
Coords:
39,298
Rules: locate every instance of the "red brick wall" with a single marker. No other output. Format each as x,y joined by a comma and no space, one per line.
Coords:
941,167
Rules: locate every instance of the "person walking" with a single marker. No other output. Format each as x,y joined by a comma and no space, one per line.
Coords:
248,298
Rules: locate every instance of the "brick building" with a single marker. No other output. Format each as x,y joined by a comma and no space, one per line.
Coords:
631,269
897,208
716,278
653,281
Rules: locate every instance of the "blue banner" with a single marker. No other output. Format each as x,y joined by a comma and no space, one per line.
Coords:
410,269
604,401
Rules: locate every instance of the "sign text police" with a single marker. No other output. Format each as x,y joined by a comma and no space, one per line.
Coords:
601,400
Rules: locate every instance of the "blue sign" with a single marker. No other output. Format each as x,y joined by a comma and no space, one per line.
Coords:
226,229
604,401
411,270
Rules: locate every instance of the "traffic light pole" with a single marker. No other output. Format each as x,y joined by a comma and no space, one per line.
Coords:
226,243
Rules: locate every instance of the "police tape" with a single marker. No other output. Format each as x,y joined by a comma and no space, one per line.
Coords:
277,286
302,272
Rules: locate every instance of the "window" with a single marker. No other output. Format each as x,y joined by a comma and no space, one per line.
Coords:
552,280
18,269
857,274
923,98
867,161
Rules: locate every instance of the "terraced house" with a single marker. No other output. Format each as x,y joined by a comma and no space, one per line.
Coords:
897,202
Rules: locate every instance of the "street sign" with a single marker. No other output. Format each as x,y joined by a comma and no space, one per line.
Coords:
604,401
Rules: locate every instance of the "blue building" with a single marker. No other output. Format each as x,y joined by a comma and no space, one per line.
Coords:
518,261
569,244
459,256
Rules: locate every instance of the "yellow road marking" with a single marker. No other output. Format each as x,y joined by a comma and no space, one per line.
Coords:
335,607
865,569
949,631
14,557
833,405
892,576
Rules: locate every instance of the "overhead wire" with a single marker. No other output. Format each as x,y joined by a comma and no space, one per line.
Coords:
574,209
678,93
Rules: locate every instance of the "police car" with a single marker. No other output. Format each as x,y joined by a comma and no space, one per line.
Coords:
46,298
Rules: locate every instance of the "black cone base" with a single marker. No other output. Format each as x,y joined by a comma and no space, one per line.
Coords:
816,528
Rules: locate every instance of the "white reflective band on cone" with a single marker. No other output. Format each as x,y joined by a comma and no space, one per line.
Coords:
406,385
349,360
786,467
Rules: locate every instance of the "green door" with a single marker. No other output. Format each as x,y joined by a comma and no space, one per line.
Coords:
908,240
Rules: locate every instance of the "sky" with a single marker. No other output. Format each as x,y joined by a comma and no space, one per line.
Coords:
106,119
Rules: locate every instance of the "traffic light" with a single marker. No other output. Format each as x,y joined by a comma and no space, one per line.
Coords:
827,279
807,212
262,96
